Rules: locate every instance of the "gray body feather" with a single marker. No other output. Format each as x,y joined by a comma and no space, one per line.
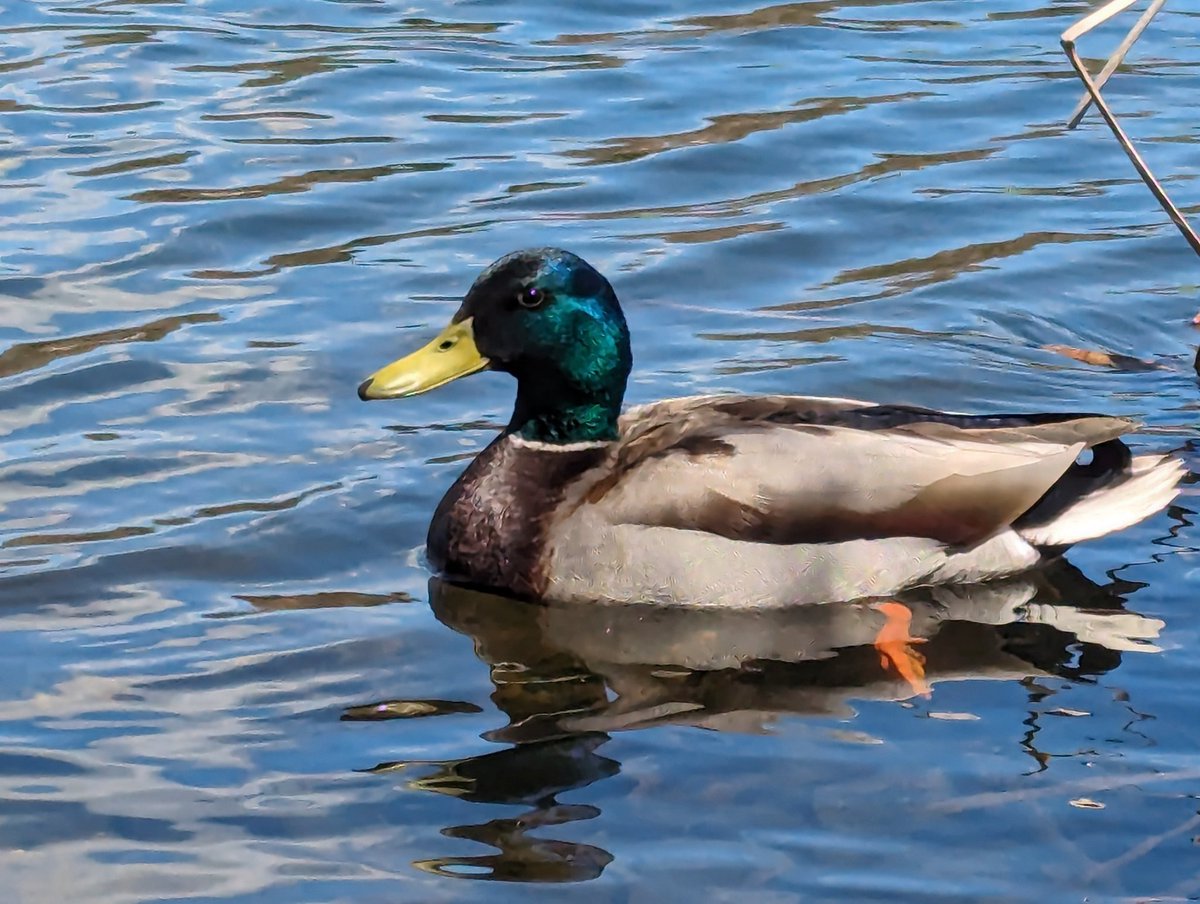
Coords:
738,501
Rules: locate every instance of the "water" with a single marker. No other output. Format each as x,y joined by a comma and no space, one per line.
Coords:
226,675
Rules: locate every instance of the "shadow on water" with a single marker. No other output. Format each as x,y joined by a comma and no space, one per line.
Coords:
567,677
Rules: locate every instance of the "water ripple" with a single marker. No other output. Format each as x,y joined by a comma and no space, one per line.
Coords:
228,677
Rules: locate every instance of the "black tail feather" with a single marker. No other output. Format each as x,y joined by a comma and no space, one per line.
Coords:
1109,465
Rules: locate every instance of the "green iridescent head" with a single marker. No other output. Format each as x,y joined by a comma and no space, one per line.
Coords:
553,322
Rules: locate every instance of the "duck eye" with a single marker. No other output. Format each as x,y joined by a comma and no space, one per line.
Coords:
533,297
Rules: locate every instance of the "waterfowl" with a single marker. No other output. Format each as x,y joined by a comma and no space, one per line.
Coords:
735,500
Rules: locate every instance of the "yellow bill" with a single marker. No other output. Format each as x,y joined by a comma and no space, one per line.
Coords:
451,355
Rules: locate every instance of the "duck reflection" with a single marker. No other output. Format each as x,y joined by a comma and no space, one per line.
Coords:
568,676
553,665
528,774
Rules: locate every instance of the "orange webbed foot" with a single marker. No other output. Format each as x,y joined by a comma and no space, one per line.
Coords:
895,646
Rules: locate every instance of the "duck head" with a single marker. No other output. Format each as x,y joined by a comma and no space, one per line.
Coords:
551,320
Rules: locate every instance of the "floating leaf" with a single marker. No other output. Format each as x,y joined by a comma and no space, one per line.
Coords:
1101,359
955,717
406,709
854,737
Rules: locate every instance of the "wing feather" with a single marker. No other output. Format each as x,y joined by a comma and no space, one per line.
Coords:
794,469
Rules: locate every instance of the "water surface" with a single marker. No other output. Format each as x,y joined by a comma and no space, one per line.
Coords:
227,676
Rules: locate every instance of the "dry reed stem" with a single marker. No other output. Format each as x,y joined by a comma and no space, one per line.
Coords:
1116,59
1142,848
1069,37
1082,786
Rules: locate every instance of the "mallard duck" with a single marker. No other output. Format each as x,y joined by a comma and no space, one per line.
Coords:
735,500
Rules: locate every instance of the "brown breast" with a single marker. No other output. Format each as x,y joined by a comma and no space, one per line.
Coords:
489,529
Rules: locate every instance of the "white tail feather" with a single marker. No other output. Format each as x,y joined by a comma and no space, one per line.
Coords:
1153,482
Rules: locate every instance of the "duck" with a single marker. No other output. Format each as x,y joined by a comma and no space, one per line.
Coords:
739,501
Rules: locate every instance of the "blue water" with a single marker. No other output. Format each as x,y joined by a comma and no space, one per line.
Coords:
225,673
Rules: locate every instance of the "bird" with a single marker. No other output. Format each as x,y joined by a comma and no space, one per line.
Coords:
739,501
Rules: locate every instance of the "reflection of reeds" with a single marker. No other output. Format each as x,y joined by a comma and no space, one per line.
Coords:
1093,96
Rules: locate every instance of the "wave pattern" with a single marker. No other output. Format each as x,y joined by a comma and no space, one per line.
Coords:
223,681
